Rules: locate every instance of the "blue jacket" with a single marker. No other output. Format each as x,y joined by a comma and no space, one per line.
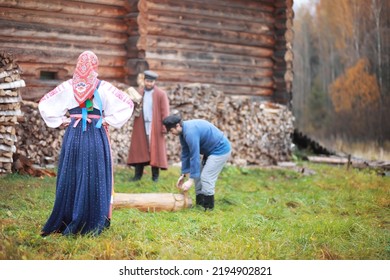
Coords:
200,137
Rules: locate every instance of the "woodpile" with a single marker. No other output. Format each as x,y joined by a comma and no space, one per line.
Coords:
37,141
260,132
25,166
10,84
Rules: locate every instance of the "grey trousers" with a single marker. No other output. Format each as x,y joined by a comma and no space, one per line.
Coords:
209,174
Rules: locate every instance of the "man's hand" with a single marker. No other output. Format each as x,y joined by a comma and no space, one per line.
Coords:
187,185
180,181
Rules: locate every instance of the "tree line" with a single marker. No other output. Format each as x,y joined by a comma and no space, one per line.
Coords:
342,70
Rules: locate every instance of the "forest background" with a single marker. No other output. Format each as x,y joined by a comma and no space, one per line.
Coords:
342,74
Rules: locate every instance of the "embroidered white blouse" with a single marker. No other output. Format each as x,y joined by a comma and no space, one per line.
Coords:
117,105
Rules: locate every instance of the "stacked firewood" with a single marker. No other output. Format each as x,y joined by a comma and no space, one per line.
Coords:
36,141
10,97
260,132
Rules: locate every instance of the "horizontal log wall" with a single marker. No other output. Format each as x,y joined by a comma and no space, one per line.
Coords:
237,46
49,36
240,47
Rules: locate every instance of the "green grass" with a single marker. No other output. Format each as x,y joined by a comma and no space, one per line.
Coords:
259,214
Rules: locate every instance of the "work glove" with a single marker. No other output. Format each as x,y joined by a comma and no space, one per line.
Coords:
180,181
187,185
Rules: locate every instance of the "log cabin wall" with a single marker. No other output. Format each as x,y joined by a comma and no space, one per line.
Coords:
46,37
240,47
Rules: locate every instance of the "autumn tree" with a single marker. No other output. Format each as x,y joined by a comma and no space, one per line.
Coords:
354,90
355,96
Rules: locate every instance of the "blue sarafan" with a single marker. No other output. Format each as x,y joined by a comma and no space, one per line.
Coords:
84,182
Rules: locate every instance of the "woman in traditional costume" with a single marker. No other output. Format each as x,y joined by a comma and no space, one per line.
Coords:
86,106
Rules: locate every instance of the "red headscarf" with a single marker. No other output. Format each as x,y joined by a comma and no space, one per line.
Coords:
85,76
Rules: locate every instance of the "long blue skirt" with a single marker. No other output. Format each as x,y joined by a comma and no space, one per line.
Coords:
84,181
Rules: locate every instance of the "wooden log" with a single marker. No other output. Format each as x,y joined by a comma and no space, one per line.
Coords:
136,43
208,8
119,3
152,202
329,160
12,93
16,84
9,73
133,68
193,67
65,71
65,20
45,33
208,34
200,20
115,58
217,78
68,7
209,58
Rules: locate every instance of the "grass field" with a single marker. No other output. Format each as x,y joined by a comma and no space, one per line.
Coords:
260,214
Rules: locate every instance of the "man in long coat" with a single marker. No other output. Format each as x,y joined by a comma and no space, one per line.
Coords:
148,145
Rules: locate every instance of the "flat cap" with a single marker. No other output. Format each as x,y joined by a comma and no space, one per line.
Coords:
171,121
150,75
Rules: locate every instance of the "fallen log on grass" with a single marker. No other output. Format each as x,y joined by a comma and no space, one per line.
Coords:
152,202
381,167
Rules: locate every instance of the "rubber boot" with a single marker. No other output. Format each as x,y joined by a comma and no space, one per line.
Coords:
155,173
139,170
208,202
200,199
